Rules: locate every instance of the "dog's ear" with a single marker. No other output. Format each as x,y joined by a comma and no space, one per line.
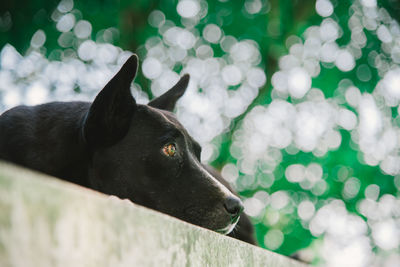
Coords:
109,116
168,100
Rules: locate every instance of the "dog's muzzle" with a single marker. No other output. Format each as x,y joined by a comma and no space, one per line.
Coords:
234,207
226,230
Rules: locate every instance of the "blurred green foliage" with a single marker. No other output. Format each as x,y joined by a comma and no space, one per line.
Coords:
273,28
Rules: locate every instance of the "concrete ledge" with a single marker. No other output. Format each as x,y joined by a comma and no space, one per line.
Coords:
48,222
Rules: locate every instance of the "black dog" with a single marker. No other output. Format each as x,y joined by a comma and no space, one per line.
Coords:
118,147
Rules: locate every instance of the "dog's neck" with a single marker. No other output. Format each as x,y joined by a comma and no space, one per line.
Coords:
49,140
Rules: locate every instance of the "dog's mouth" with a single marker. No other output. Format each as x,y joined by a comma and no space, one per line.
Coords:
229,228
214,220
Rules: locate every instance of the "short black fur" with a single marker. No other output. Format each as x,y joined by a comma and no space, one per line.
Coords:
116,146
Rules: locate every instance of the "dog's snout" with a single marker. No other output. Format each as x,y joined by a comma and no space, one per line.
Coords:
233,206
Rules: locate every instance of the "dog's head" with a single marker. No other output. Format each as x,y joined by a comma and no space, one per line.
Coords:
142,152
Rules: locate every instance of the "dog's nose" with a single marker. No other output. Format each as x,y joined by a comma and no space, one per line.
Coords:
233,206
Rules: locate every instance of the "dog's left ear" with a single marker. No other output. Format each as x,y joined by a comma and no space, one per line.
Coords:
110,114
168,100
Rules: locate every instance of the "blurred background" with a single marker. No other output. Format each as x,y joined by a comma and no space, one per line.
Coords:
295,102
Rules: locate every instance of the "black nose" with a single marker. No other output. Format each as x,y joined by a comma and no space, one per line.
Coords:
233,206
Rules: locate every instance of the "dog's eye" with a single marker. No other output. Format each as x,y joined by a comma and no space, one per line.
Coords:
169,150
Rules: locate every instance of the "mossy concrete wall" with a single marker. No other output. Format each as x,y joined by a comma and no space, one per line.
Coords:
48,222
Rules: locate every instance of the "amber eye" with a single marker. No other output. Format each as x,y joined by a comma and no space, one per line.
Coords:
169,150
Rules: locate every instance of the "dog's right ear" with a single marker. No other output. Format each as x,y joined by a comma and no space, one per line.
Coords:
110,114
168,100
